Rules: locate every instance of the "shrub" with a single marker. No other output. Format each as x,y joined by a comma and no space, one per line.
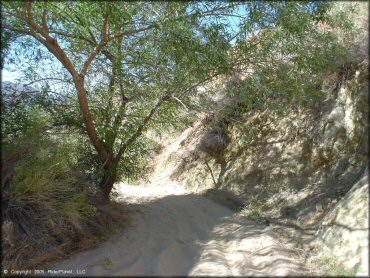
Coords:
255,208
130,168
214,143
49,210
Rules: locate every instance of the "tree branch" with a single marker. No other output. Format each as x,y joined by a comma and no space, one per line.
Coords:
99,48
104,32
179,101
92,36
140,129
91,58
18,30
49,42
52,45
72,36
199,83
44,21
131,32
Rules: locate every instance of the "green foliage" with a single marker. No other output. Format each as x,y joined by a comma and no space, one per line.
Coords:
6,37
42,194
328,264
292,56
49,206
134,163
130,168
250,136
43,174
20,118
256,207
108,263
169,48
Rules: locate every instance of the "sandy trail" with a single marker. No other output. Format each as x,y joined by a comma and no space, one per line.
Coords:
174,233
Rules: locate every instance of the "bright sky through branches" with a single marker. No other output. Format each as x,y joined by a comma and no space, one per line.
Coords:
7,75
10,72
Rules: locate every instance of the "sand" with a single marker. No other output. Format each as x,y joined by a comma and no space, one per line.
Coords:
174,233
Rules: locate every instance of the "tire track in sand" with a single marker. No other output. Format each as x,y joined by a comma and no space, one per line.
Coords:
174,233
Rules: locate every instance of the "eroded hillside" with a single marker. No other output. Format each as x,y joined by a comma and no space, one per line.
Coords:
303,167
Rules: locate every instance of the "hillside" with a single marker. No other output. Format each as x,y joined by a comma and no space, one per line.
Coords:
303,168
309,218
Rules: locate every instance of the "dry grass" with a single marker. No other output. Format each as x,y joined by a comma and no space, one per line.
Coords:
329,265
49,211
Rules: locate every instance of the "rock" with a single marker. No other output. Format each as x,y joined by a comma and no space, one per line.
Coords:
319,207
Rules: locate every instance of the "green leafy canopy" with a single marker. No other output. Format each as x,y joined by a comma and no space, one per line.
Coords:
141,62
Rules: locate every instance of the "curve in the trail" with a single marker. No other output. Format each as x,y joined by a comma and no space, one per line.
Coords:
173,233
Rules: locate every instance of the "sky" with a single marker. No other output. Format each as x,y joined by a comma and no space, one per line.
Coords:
13,75
7,75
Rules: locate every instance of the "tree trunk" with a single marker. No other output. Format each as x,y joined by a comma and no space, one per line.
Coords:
89,123
108,180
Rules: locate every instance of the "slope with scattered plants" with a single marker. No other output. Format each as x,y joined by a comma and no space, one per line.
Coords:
50,208
287,163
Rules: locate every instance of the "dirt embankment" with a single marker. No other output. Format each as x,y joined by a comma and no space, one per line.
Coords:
292,166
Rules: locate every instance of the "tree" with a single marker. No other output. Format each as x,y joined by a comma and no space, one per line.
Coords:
134,64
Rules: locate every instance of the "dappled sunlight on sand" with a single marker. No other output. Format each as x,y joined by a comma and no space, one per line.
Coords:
246,249
174,233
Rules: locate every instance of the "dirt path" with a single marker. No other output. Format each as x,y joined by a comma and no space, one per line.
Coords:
174,233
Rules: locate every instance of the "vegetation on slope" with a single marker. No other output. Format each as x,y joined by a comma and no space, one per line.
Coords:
49,209
284,158
105,73
143,61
